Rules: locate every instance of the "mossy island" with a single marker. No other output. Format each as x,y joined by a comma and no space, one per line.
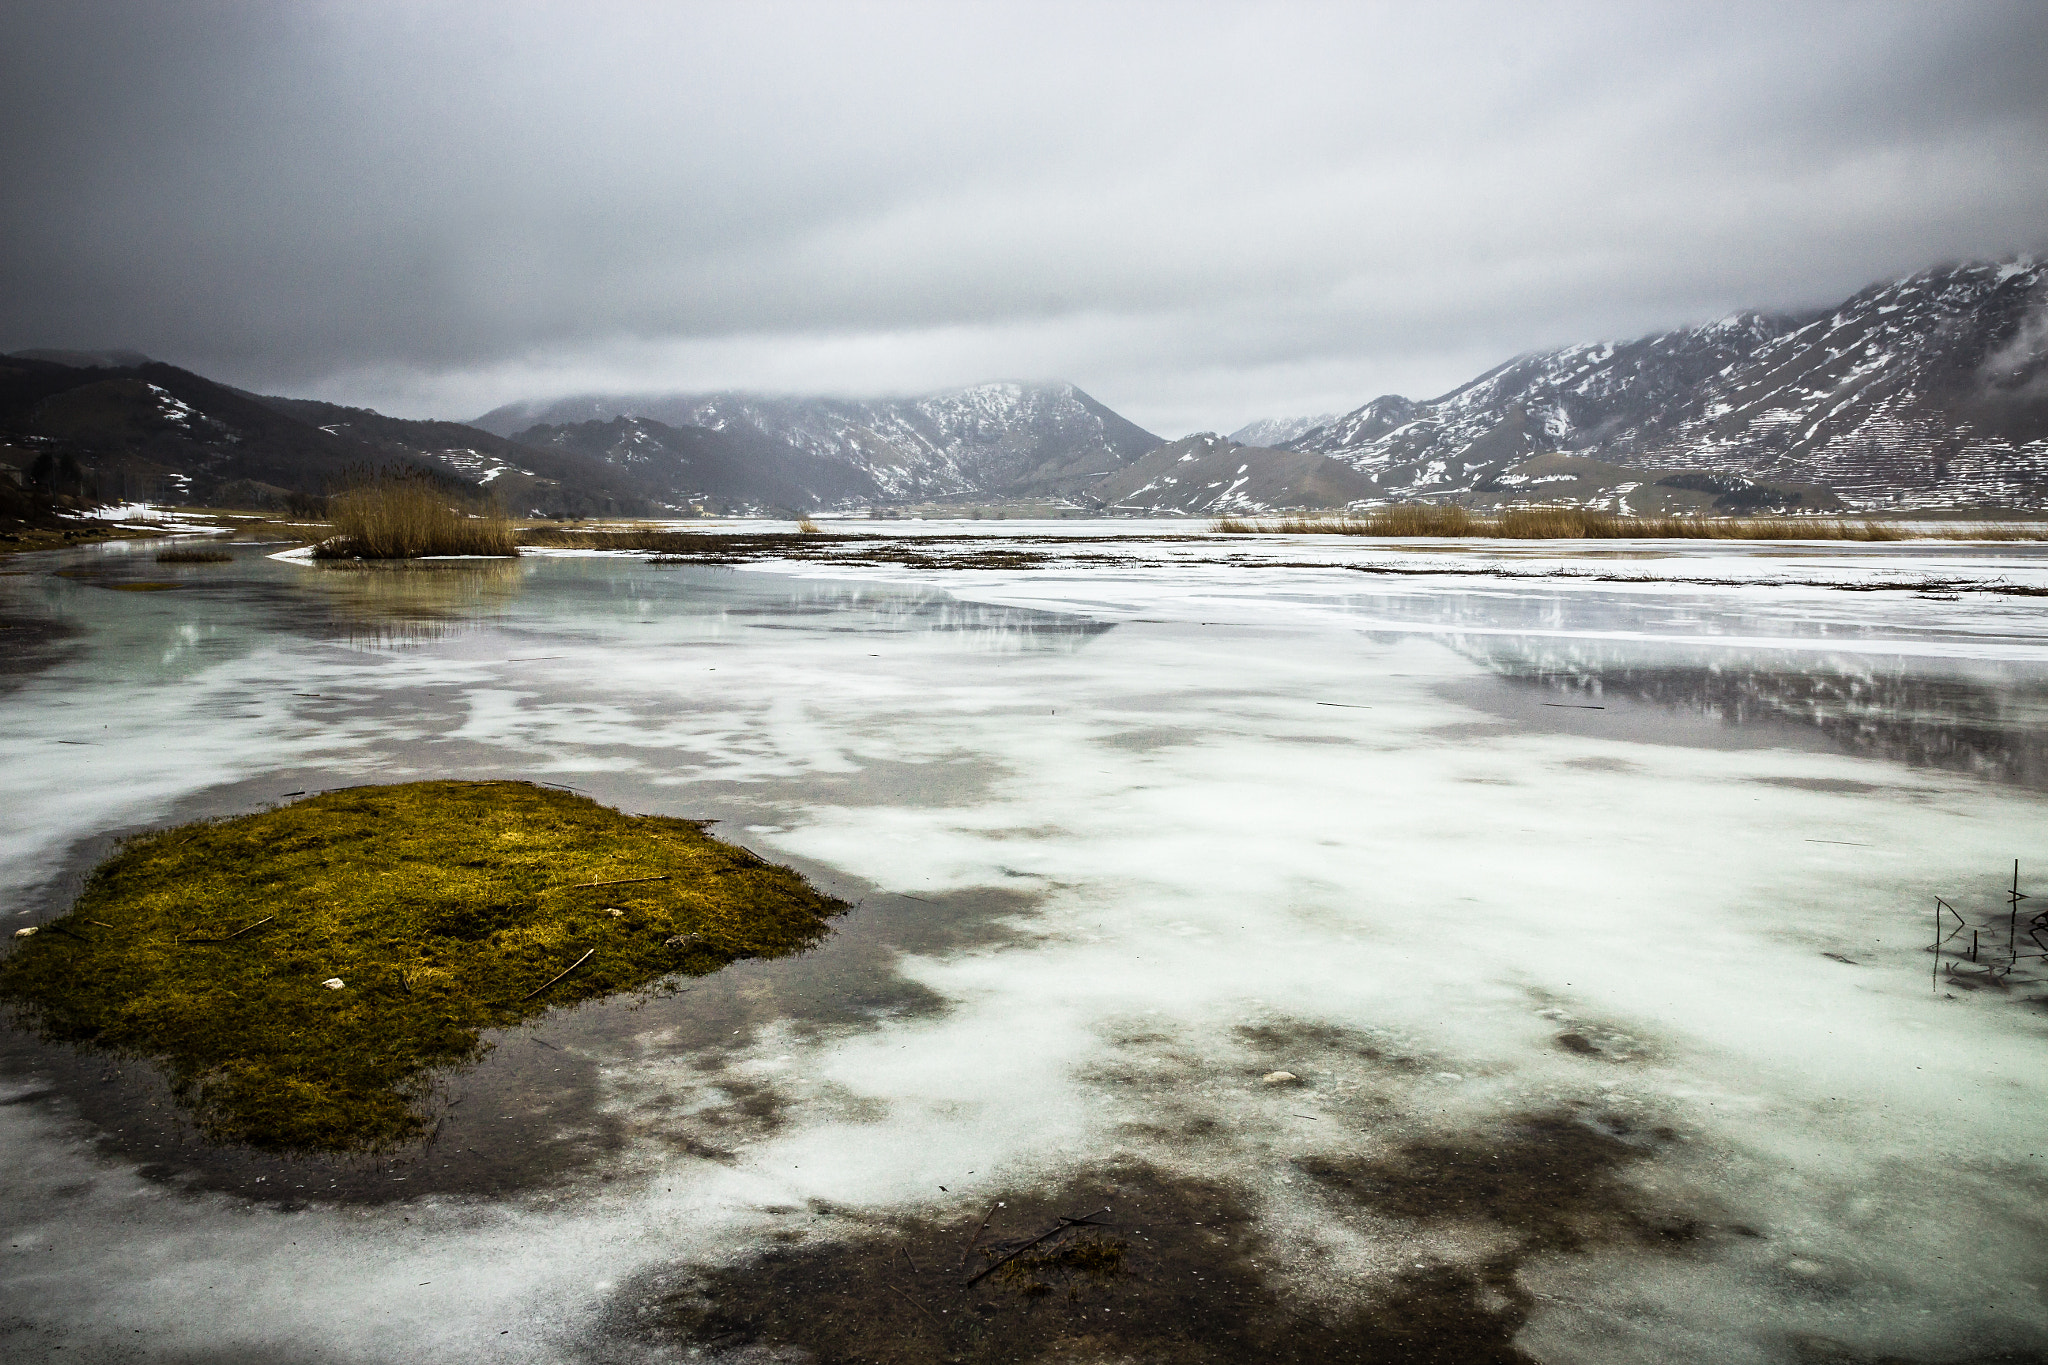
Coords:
442,909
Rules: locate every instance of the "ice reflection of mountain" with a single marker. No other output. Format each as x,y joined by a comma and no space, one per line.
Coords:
1977,716
980,627
990,629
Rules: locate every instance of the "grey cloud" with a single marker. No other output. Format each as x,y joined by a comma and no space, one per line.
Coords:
429,206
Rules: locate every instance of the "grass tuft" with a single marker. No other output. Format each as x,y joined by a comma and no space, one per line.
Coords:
809,527
446,908
405,514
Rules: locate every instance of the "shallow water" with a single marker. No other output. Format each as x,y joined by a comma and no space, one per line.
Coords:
1471,858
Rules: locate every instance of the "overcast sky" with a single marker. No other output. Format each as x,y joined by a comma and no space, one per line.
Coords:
1201,213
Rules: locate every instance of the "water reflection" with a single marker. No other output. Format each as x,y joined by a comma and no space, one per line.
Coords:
1984,717
723,602
987,629
381,606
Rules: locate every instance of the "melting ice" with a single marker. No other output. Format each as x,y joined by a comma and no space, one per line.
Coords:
1657,856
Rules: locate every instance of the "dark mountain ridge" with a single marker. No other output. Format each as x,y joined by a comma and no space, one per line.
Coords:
154,432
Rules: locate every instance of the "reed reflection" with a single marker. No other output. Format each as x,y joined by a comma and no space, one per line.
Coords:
387,605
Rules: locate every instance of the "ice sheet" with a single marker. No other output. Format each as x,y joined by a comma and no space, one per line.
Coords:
1218,799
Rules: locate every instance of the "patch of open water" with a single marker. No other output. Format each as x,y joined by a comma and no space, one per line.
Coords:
1124,844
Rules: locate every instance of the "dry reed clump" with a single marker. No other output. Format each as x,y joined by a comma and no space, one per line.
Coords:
1994,531
809,527
1557,523
402,514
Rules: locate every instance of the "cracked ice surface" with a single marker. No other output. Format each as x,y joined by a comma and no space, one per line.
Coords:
1457,817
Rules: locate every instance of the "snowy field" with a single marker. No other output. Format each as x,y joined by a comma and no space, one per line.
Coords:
1625,842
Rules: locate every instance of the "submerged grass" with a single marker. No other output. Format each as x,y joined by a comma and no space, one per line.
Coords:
444,908
400,514
195,557
1449,520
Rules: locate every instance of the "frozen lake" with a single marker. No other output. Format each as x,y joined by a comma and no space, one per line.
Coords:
1585,892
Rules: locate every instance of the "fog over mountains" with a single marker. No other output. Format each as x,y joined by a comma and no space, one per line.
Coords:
1928,391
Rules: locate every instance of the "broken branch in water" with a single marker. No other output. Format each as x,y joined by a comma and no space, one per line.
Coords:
1062,1226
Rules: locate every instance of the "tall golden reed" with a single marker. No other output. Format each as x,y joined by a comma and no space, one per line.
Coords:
405,514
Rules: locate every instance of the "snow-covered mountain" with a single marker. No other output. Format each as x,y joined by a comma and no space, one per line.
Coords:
1278,431
1931,390
997,438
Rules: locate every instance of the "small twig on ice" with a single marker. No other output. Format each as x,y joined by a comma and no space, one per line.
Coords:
913,1302
976,1238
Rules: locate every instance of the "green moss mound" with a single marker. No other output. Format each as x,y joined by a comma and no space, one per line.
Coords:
445,908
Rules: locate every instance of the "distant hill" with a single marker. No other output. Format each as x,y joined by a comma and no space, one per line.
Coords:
1206,474
154,432
525,477
1926,391
720,471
